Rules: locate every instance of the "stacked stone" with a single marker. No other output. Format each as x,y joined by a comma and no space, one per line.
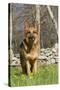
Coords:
49,55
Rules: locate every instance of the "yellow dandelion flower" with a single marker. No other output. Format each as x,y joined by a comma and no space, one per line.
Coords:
23,77
30,77
14,76
31,74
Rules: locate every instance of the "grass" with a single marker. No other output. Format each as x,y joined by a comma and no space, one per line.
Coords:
47,74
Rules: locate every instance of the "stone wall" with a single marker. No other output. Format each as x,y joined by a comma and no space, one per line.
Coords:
47,56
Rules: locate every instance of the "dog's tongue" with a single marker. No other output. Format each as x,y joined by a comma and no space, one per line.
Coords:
31,41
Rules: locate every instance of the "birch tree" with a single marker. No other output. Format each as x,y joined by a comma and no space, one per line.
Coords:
11,19
38,20
52,17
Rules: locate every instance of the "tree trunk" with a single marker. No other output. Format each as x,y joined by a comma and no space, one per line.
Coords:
52,17
11,19
38,20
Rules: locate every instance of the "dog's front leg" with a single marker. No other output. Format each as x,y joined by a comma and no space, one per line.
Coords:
35,67
28,67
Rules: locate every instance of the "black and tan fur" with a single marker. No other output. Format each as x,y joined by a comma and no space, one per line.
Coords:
29,48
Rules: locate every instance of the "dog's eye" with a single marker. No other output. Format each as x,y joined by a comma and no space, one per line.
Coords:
35,32
28,32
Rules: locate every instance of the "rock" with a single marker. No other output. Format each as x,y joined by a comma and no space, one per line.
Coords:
53,50
56,59
52,61
48,62
42,50
42,58
17,55
47,50
42,54
43,62
48,54
56,54
15,63
11,54
51,56
15,59
56,46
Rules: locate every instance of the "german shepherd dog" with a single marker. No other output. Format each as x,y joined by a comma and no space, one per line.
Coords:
29,48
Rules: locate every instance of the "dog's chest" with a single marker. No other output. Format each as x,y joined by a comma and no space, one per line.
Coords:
33,54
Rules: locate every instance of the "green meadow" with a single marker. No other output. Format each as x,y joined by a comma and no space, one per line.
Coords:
46,74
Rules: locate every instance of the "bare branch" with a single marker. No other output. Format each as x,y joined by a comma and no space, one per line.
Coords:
52,17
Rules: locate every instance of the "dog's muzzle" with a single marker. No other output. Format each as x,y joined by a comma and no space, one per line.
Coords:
31,38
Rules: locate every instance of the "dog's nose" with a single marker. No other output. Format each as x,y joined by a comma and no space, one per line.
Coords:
31,38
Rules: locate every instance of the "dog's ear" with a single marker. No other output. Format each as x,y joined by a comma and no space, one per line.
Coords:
26,26
36,25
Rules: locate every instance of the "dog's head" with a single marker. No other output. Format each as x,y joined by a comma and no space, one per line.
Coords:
31,32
